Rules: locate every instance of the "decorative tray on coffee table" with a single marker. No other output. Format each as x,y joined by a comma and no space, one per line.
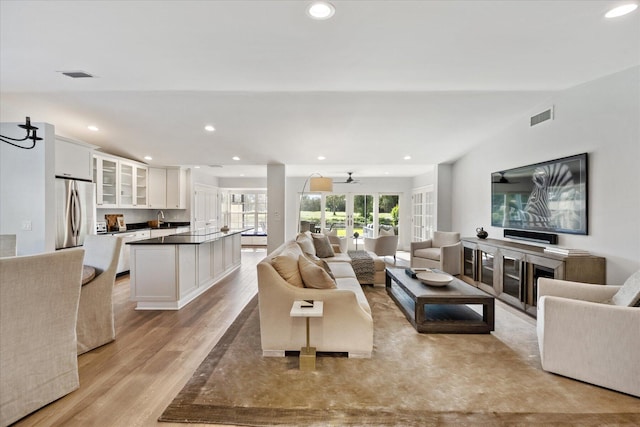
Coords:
431,278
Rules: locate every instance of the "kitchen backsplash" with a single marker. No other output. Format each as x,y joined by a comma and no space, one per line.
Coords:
144,215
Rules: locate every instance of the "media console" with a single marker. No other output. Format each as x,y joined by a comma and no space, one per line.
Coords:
510,270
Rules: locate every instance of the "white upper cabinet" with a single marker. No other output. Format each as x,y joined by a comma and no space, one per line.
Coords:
142,189
157,188
176,189
120,183
73,159
133,185
105,175
167,188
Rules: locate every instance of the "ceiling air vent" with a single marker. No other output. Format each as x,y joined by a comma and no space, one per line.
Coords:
542,117
76,74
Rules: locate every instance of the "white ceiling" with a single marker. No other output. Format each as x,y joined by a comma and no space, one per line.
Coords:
378,81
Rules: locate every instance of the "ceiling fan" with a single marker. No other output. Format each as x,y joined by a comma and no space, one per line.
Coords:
502,179
349,180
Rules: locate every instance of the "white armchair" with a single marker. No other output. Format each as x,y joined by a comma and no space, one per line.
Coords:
441,252
582,337
95,325
382,245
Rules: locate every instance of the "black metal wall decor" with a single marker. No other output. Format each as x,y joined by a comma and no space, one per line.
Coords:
31,135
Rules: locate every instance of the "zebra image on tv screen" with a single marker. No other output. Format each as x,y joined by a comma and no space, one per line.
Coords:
549,196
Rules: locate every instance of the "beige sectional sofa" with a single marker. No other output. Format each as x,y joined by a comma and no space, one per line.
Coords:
346,325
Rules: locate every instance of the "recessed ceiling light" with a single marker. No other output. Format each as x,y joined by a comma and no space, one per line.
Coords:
321,157
621,10
321,10
93,128
386,173
209,128
148,158
196,167
236,158
241,174
407,157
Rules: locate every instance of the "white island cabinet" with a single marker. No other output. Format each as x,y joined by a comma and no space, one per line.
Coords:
169,272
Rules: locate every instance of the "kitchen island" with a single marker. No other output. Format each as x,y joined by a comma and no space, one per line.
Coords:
169,272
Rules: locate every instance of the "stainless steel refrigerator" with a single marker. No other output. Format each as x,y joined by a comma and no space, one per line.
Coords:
75,212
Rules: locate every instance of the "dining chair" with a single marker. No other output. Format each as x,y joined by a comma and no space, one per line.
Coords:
96,325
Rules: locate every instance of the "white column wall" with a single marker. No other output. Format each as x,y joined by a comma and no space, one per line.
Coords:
27,189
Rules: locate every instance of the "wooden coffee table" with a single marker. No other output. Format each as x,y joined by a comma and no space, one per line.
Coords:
441,309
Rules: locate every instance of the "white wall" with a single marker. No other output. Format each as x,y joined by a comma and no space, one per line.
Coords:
200,176
242,182
27,190
601,118
440,177
276,202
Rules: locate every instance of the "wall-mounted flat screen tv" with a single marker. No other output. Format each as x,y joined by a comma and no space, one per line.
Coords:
549,196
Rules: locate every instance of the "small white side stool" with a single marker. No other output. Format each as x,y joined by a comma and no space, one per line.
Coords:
307,353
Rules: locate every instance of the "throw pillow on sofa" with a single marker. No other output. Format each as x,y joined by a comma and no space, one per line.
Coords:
287,268
323,246
320,263
314,276
305,242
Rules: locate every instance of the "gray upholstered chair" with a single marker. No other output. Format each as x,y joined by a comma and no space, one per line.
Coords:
382,245
96,324
591,332
7,245
39,297
441,252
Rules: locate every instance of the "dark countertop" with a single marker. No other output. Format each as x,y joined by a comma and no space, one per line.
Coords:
139,226
189,238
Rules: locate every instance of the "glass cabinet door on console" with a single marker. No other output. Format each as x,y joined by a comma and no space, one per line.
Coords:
513,275
487,279
469,272
538,267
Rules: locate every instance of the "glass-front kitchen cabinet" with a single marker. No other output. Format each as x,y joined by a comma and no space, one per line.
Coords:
105,176
133,185
119,183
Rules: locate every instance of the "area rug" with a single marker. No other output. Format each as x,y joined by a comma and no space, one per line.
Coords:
412,379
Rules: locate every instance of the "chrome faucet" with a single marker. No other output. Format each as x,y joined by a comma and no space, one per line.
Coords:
160,215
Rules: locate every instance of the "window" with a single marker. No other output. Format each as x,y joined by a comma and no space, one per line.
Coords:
248,210
423,217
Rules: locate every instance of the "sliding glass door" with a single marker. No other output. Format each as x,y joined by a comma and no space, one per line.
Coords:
350,213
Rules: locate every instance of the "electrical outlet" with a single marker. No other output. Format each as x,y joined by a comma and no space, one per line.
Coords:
26,225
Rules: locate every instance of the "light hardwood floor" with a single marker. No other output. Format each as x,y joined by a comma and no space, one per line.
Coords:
130,381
